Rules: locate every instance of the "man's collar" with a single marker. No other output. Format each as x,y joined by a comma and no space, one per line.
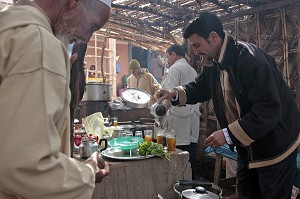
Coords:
33,4
180,60
223,49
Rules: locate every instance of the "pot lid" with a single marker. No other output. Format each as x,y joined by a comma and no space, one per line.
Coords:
136,96
199,193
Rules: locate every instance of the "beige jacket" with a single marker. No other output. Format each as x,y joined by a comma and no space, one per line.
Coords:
145,81
34,111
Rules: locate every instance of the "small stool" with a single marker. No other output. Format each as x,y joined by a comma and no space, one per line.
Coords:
223,151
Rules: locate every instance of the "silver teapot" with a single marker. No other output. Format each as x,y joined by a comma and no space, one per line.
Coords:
89,146
158,110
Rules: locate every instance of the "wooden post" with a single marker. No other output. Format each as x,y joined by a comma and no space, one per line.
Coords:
286,71
218,167
102,59
236,28
96,54
298,64
112,64
258,33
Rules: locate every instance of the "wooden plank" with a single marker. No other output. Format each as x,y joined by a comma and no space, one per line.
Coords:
218,167
263,8
147,10
171,37
224,7
258,32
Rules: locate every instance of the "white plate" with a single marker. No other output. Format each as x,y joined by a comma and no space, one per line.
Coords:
120,155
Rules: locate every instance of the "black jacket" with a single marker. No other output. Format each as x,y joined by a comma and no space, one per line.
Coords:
268,130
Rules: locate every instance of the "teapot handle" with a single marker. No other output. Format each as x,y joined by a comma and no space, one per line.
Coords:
176,191
195,183
105,144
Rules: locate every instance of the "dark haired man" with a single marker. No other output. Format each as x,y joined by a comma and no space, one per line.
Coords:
253,104
35,99
184,120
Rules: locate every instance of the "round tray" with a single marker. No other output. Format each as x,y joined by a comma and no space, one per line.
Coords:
118,154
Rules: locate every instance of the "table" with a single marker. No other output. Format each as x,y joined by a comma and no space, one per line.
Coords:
144,179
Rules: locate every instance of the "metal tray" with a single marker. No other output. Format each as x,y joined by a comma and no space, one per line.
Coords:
120,155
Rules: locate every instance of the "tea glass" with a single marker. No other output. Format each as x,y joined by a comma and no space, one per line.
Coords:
171,141
139,134
159,136
148,135
115,121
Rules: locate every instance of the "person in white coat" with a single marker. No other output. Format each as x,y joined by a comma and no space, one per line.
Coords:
185,119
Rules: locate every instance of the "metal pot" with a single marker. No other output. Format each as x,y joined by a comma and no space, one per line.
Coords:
199,192
135,98
97,92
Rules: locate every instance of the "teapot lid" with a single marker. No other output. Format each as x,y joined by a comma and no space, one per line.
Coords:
199,193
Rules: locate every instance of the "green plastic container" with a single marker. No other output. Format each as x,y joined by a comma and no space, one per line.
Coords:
125,143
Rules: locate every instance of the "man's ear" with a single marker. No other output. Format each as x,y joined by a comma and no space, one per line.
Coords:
213,35
174,54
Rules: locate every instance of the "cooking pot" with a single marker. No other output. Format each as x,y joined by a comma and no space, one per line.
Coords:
199,192
135,98
97,92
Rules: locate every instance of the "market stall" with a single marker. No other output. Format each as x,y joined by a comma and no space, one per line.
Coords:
145,178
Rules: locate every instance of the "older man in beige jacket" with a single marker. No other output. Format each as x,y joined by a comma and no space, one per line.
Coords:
142,79
35,97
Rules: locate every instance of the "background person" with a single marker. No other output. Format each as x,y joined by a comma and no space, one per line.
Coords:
253,104
184,119
92,72
142,79
35,98
156,67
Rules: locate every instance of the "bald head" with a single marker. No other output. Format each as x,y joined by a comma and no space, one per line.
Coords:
75,19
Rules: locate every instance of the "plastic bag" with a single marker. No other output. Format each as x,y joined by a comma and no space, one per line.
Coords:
94,124
223,150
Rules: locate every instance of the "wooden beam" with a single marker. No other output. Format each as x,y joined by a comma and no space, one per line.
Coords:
116,15
258,9
152,32
224,7
146,9
180,25
133,29
171,36
176,6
